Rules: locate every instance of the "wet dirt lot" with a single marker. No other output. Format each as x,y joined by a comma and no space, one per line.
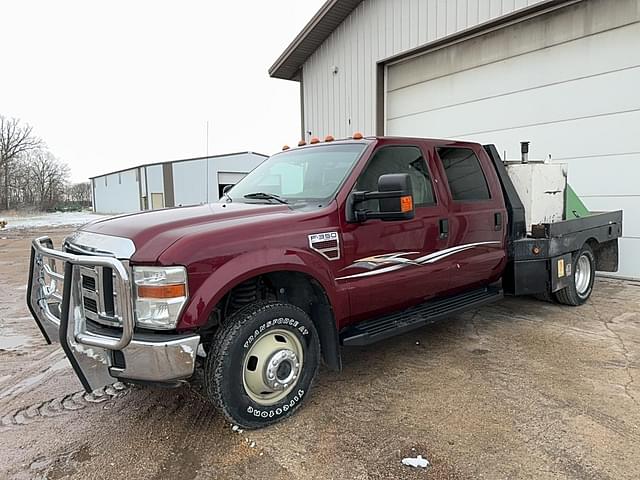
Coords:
519,389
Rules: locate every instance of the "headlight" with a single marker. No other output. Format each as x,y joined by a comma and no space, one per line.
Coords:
160,292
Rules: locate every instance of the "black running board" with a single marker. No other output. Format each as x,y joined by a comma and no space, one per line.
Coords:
371,331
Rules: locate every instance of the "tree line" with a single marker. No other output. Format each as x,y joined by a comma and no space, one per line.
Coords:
31,176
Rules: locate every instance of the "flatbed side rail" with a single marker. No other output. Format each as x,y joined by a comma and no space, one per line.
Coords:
568,227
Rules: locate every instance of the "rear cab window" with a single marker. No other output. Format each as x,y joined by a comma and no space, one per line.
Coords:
464,174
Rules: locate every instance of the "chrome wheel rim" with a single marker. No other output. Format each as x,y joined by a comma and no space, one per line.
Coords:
272,367
583,275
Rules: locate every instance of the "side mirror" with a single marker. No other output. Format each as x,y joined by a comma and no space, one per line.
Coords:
394,195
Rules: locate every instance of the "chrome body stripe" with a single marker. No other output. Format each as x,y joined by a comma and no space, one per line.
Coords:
401,262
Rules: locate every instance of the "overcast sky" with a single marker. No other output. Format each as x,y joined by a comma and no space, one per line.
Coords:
109,85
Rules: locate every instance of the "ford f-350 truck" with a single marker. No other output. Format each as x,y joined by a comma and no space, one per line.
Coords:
331,244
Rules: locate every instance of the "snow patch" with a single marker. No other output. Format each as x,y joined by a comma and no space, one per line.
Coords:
56,219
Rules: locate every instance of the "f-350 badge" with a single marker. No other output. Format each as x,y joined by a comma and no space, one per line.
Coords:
326,244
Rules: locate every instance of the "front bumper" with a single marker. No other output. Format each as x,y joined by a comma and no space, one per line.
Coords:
56,298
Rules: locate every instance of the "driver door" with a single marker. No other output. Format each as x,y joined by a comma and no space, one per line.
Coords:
390,264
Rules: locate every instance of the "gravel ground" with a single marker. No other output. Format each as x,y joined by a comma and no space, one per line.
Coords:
519,389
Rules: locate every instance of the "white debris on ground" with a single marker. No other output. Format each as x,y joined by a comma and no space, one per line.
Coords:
236,428
56,219
417,462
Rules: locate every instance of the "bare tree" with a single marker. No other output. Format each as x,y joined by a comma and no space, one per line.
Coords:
80,193
47,179
15,140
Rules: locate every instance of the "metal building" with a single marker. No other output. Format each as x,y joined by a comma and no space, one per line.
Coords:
174,183
562,74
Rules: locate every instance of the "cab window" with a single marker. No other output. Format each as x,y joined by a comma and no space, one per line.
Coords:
397,159
464,174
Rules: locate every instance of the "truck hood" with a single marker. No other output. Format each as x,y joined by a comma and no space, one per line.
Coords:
154,231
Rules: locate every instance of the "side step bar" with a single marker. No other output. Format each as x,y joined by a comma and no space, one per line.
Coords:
371,331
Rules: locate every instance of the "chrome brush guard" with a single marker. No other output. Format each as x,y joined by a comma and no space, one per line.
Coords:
67,295
46,294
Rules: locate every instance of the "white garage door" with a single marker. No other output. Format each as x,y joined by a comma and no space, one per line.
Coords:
578,101
230,178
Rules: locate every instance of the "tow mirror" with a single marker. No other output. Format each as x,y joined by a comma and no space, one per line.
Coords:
395,198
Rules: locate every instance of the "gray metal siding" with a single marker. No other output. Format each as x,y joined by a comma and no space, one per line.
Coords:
190,178
378,29
116,193
181,182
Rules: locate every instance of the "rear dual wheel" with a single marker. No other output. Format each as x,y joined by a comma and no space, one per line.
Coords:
262,364
583,274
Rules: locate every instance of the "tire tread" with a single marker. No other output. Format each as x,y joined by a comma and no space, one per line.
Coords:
568,295
220,350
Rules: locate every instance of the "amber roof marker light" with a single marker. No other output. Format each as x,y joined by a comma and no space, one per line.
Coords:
358,136
302,143
314,140
329,138
285,147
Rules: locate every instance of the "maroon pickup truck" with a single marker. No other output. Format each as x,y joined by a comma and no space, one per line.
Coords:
329,245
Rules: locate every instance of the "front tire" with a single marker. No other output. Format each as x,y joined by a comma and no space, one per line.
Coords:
582,277
262,364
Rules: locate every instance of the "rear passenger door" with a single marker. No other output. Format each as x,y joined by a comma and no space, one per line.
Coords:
477,215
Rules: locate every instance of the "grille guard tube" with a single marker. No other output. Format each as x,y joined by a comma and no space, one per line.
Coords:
37,297
61,316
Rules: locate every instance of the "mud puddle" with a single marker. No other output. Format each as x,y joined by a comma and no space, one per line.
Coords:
28,382
13,342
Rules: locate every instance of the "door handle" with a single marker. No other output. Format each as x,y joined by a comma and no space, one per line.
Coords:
497,221
444,227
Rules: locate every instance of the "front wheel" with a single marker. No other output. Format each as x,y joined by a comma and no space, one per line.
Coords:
262,364
582,278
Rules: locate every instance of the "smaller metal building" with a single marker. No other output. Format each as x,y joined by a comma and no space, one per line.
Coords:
173,183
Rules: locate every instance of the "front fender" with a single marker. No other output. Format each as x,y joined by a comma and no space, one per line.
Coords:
221,279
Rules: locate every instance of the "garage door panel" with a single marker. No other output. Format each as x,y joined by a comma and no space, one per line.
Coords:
629,258
230,178
587,97
630,205
570,61
608,180
605,135
608,47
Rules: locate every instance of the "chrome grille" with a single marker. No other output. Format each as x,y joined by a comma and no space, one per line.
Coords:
90,305
88,282
98,295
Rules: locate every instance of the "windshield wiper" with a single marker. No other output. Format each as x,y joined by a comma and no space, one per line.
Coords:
265,196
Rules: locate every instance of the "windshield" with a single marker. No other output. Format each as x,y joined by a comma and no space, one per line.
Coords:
305,174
